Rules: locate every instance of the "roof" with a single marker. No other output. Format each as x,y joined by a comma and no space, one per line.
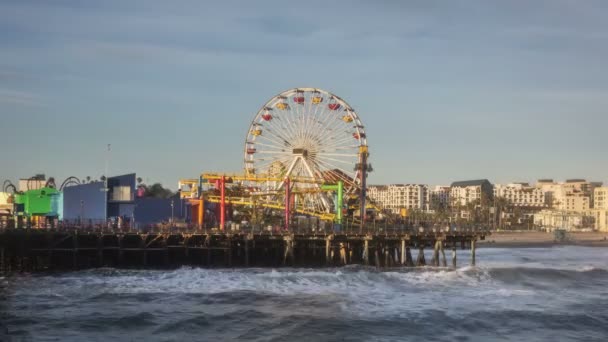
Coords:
477,182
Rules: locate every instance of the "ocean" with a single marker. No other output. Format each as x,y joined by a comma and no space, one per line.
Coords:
513,294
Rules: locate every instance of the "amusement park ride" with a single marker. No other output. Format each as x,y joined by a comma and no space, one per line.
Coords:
305,153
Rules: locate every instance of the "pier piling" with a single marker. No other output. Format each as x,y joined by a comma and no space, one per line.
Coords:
444,262
408,257
420,261
472,252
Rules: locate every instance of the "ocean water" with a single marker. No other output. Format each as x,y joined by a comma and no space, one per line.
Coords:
529,294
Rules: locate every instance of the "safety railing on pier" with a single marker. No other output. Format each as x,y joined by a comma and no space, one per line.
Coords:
375,228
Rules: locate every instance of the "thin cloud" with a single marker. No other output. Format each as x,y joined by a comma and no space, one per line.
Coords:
21,98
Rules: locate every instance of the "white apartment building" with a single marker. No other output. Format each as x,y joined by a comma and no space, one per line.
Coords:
571,195
440,195
465,192
394,197
554,219
600,198
521,195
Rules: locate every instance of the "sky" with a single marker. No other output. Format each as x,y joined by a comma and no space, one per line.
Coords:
447,90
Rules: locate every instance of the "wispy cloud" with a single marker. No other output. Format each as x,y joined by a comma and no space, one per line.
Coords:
21,98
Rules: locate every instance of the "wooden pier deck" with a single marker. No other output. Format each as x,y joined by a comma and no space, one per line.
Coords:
31,250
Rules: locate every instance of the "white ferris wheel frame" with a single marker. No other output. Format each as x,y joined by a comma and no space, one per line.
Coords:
334,136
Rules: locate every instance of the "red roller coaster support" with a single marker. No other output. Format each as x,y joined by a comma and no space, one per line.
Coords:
222,202
287,203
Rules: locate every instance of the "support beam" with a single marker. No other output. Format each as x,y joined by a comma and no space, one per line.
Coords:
363,178
343,258
421,261
222,202
435,261
366,252
201,212
75,250
288,250
328,258
402,252
409,261
473,252
444,262
454,256
246,250
287,202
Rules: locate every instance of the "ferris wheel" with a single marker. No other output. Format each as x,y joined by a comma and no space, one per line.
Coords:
308,133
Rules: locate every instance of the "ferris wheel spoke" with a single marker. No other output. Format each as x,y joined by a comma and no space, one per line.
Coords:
284,124
333,167
350,155
274,147
337,162
277,138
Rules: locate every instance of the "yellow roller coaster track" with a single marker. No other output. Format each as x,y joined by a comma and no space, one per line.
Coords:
238,200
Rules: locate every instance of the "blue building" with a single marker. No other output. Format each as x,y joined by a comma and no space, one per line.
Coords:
91,202
84,202
150,210
121,196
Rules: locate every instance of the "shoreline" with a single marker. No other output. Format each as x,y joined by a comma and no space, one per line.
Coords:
542,239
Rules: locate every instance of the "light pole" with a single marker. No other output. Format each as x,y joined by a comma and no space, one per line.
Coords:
172,205
105,186
81,211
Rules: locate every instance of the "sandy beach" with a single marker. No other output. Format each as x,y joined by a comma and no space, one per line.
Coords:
542,239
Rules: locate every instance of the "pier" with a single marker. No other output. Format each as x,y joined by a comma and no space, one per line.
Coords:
32,250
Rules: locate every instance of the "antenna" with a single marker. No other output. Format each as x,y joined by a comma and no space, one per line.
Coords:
105,182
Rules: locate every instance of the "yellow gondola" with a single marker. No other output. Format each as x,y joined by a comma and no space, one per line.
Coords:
317,99
347,118
282,106
256,132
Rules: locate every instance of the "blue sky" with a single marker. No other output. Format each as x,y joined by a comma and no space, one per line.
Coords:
447,90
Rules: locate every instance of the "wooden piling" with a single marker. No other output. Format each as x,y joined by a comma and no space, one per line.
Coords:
454,256
408,257
444,262
343,258
288,249
75,250
435,261
421,260
473,252
246,251
366,252
100,250
328,251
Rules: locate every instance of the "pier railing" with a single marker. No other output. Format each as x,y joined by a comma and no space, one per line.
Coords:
422,227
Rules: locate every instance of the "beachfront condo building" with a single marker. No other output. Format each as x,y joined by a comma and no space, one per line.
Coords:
395,197
465,192
600,198
521,195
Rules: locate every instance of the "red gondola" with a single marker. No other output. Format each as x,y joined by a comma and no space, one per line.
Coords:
358,135
334,106
267,117
251,150
298,99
